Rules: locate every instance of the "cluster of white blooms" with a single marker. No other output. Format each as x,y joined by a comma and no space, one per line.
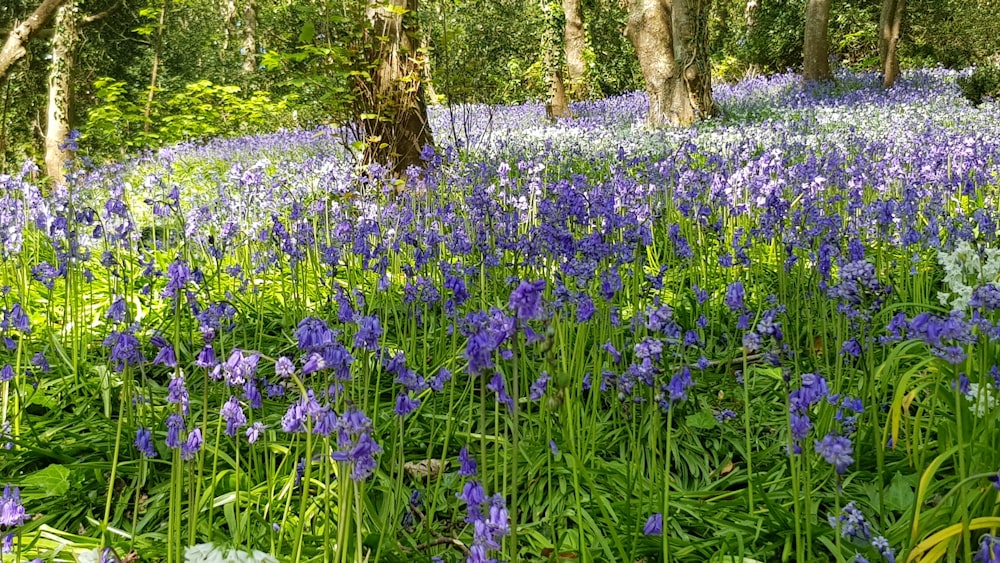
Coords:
983,400
210,553
965,269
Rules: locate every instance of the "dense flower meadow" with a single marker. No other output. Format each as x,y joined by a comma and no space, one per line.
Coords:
772,337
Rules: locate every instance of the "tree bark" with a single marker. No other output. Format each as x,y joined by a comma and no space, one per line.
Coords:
393,110
671,41
575,42
249,43
13,49
154,72
61,92
890,25
750,15
816,47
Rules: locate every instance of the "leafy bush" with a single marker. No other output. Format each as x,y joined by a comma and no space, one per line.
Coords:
199,111
984,82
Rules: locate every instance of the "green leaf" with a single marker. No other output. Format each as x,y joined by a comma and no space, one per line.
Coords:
308,33
703,419
51,481
899,495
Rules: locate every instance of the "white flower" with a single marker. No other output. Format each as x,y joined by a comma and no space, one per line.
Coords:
209,553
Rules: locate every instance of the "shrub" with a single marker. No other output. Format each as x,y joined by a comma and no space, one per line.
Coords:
984,82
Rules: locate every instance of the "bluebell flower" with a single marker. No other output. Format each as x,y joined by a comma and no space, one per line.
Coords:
467,465
7,373
679,385
254,432
368,334
735,295
144,442
12,512
654,525
989,549
852,523
405,404
232,414
192,445
836,450
526,299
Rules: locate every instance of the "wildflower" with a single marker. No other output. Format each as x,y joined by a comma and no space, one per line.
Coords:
206,358
12,512
313,334
467,465
177,392
254,432
654,525
538,387
117,310
526,299
498,386
232,413
192,445
735,295
6,373
144,442
178,276
995,479
175,425
356,445
405,404
881,544
679,385
989,549
852,523
369,332
836,450
284,367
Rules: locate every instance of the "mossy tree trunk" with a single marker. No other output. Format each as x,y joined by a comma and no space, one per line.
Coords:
60,101
671,41
393,112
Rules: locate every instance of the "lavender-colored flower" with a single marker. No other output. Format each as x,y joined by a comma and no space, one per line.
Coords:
368,334
12,512
881,545
836,450
852,523
405,404
735,295
40,362
679,385
989,549
7,373
178,276
177,392
175,426
654,525
206,358
498,386
473,496
144,442
467,465
313,334
284,367
538,387
192,445
117,311
479,352
232,414
526,299
125,349
255,431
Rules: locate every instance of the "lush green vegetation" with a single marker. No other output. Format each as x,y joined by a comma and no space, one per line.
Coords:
767,338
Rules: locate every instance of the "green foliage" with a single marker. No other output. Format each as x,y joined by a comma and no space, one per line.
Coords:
198,111
984,82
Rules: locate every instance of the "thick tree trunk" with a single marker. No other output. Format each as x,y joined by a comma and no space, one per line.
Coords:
816,48
575,41
13,49
890,25
249,42
671,41
61,92
558,104
394,113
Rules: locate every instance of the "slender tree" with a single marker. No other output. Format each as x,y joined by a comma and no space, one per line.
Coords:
392,108
890,25
816,48
59,110
13,49
557,104
671,40
575,41
249,43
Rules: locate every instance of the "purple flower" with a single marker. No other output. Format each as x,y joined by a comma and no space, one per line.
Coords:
989,549
852,523
473,496
284,367
144,442
467,465
526,299
313,334
735,295
232,413
405,404
178,276
117,310
538,387
679,385
6,373
177,392
995,479
192,445
206,358
12,512
254,432
175,425
654,525
368,334
498,386
836,450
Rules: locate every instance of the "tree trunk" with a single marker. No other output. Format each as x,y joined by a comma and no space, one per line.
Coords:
671,41
13,49
750,15
575,41
229,11
393,111
61,92
558,104
816,48
154,72
890,25
249,42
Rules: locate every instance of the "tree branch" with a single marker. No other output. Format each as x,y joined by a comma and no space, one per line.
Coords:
13,48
